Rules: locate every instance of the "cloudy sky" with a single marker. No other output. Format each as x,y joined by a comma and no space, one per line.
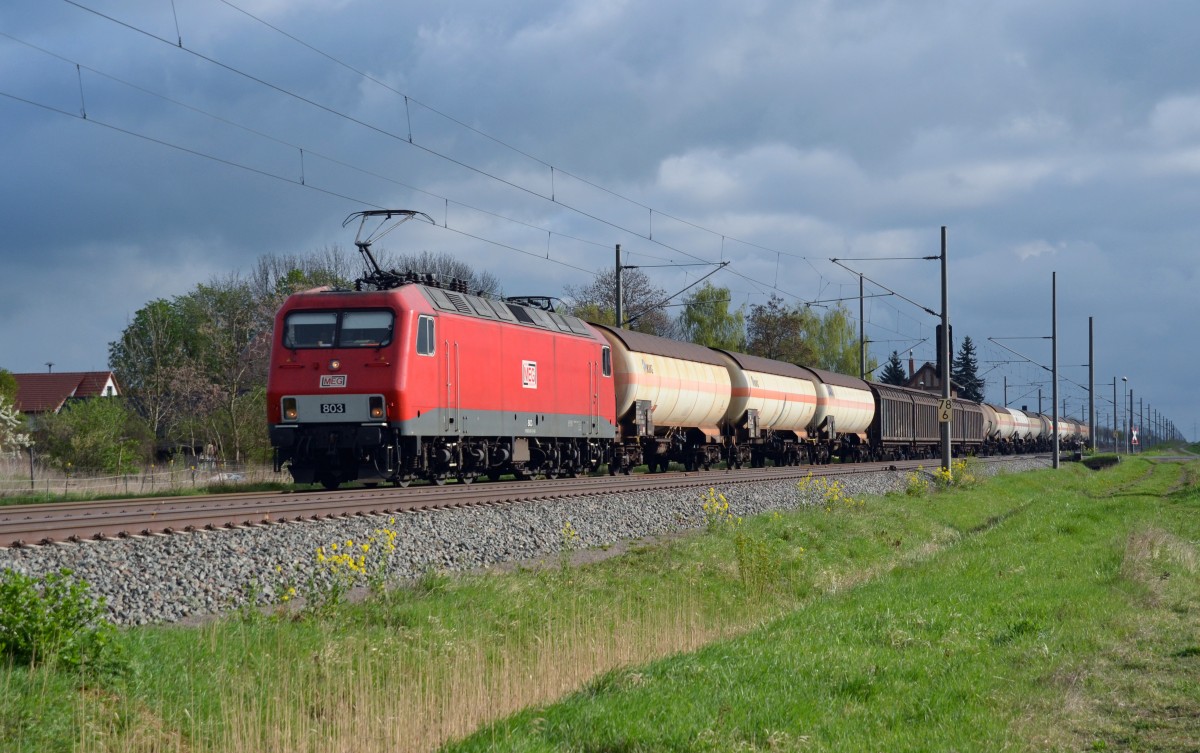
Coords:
1048,137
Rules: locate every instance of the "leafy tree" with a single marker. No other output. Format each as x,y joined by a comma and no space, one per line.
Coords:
8,385
776,331
188,365
98,435
644,301
893,371
150,360
707,320
799,335
964,371
234,339
837,343
13,436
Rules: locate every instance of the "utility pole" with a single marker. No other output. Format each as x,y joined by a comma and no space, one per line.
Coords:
1129,424
1054,362
944,426
862,339
1116,448
1091,386
619,296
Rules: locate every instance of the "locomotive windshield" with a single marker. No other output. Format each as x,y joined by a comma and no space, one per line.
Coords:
338,329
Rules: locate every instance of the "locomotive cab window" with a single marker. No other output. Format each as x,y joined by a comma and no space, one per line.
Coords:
366,329
310,329
606,361
340,329
426,339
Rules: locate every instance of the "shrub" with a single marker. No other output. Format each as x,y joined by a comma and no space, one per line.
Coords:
54,621
833,494
961,474
758,566
716,512
915,483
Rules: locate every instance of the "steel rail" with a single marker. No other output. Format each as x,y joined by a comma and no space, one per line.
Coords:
71,522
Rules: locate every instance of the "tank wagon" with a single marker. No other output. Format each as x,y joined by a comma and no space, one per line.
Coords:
405,378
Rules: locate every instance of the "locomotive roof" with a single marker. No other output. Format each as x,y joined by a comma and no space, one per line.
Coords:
487,308
640,342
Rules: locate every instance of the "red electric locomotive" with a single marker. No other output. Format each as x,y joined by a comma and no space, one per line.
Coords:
411,380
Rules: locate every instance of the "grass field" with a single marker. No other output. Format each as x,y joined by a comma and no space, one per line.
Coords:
1040,611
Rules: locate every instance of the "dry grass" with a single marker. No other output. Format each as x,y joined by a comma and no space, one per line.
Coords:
404,697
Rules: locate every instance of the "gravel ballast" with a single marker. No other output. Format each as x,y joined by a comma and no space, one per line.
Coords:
169,578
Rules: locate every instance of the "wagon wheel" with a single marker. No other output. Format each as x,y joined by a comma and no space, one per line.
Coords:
403,482
493,474
466,478
439,479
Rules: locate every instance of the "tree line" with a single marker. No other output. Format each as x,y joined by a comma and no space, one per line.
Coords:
192,369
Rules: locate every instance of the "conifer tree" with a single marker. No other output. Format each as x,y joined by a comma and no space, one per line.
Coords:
964,371
893,371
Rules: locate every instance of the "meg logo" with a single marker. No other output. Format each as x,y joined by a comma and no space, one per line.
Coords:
333,381
529,374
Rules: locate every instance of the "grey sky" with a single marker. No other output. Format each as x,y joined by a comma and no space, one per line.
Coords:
1047,136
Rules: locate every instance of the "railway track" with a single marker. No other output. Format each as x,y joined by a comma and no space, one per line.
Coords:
73,522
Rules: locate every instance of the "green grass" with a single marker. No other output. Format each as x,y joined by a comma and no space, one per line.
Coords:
1059,613
1050,610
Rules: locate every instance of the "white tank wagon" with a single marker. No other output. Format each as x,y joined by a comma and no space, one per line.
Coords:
771,406
671,398
1022,432
998,429
845,408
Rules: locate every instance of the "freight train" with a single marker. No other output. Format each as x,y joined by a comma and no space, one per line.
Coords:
403,378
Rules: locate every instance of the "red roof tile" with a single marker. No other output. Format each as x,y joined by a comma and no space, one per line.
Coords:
41,393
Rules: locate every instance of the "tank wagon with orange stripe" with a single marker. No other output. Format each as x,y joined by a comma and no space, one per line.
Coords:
685,403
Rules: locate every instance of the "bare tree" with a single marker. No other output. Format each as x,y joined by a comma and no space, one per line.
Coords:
444,266
643,305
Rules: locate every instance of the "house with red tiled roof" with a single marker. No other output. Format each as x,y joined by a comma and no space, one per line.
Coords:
38,394
928,379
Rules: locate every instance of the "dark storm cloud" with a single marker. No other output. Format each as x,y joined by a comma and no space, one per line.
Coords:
1049,138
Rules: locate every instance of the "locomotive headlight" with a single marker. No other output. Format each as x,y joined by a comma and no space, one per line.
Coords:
335,364
290,413
376,404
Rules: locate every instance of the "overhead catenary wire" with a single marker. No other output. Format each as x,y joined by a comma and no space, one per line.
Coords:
758,284
648,236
